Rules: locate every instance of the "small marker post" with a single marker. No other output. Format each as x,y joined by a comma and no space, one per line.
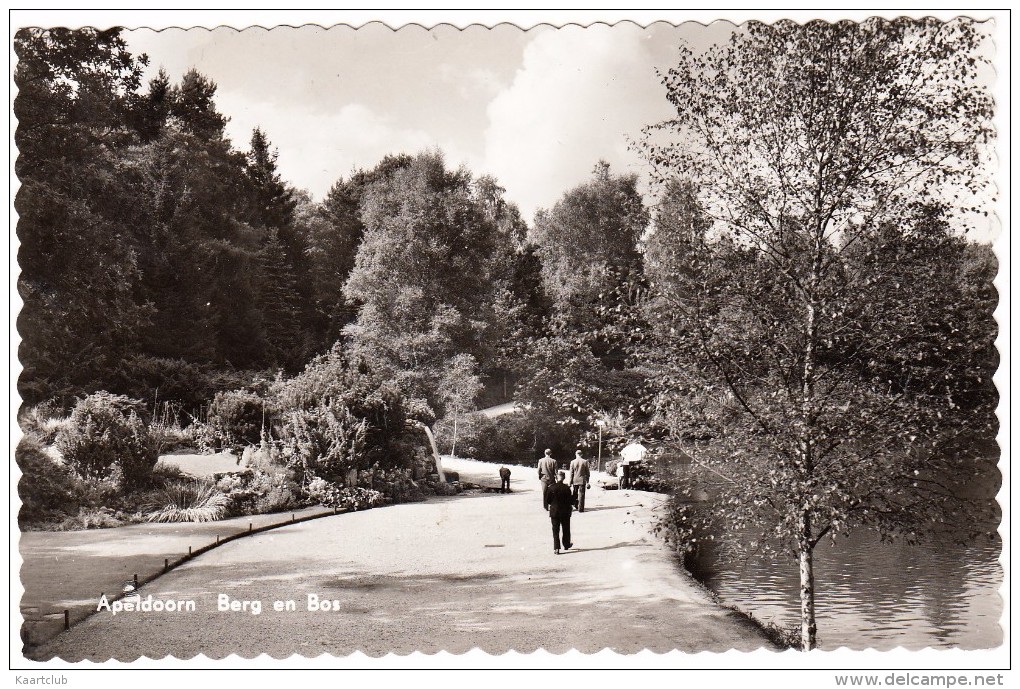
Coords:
136,581
67,620
166,563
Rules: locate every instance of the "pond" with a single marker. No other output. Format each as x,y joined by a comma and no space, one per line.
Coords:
874,594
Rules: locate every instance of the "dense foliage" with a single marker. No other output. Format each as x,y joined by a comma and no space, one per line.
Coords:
106,439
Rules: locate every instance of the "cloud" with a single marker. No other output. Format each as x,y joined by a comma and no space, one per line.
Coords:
576,98
318,148
472,82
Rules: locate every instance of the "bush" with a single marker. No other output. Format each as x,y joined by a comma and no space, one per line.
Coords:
166,430
259,490
275,494
349,497
330,379
163,472
91,518
44,421
326,441
144,376
235,419
48,491
187,501
105,437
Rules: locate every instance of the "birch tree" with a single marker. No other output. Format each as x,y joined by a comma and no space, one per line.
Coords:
825,163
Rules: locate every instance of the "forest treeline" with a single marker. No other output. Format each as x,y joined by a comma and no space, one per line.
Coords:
160,261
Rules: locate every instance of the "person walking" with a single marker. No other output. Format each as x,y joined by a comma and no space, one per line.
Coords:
580,477
504,480
546,474
560,503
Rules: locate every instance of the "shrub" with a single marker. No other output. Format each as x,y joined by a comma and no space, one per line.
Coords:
187,501
106,434
235,419
325,441
47,489
164,472
90,518
166,429
259,490
146,376
330,379
349,497
44,421
279,497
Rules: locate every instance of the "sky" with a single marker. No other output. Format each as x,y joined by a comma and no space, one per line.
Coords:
536,109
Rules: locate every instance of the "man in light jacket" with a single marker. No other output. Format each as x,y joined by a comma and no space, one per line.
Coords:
546,474
580,477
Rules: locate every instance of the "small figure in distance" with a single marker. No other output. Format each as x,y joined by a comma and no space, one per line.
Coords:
546,474
504,480
560,503
580,478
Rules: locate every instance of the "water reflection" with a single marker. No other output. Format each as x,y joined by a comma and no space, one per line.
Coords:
872,594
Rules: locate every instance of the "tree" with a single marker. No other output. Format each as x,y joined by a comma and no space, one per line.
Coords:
332,233
274,202
458,388
588,242
422,274
193,109
803,143
75,88
78,276
284,295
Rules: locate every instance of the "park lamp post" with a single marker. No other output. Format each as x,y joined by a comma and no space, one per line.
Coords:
598,464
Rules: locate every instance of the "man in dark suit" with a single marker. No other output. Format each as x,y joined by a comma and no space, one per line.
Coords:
560,502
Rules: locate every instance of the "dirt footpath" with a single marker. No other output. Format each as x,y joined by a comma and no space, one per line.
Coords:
449,574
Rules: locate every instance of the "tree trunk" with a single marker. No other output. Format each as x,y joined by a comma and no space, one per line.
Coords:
808,626
453,450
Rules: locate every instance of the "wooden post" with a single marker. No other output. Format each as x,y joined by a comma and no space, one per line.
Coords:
189,551
292,518
136,581
67,620
217,539
166,563
249,527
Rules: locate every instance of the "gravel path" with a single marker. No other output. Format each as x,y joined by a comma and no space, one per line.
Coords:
474,570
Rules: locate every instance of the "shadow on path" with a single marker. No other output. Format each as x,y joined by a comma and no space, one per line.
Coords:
575,549
612,507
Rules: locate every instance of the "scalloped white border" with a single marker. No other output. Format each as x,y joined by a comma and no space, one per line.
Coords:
794,669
